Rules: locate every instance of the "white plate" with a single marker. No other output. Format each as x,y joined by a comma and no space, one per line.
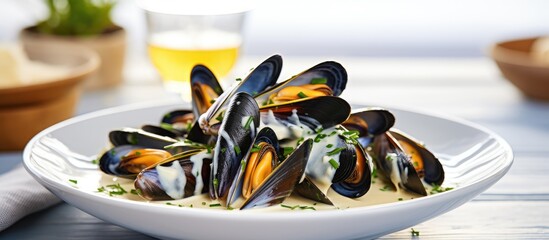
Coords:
474,159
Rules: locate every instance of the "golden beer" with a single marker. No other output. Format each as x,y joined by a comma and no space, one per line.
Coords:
175,53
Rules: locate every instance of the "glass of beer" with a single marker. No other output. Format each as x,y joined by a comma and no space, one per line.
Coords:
182,34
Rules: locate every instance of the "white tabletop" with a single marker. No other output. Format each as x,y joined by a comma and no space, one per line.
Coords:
470,88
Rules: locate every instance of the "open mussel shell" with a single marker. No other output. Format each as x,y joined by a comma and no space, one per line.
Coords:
321,112
131,136
236,135
369,122
204,89
352,176
426,164
260,78
324,79
177,121
282,181
394,164
128,160
358,182
260,161
182,175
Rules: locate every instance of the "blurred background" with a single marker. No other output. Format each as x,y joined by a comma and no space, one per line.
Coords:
395,28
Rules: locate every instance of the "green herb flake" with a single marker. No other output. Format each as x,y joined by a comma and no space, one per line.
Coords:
73,181
137,153
215,205
203,203
302,95
319,137
335,151
414,233
215,182
384,188
189,126
238,79
255,148
237,150
166,126
212,101
319,81
220,117
298,207
132,138
223,150
287,150
439,189
400,199
329,145
374,173
135,191
95,161
248,122
334,163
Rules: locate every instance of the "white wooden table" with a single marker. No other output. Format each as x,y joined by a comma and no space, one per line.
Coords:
517,207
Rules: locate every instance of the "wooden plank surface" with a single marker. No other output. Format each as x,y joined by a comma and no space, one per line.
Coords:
514,208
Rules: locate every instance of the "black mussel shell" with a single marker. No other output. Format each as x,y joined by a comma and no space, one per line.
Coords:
262,77
320,112
204,89
115,161
149,185
432,168
178,117
408,178
332,72
358,182
369,122
308,189
236,136
282,181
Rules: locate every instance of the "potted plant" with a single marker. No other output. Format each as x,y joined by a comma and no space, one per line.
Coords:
85,23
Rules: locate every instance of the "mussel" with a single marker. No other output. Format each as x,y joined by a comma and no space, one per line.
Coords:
325,79
182,175
369,122
128,160
236,134
205,89
260,78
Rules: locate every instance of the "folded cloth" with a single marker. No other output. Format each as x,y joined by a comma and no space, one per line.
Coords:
21,195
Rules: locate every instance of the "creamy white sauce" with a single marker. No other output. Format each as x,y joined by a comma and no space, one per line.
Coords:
318,165
172,179
198,160
395,172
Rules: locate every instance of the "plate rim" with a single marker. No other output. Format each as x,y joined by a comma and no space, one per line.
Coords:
253,215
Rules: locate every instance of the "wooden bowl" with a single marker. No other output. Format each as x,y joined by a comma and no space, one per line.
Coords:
27,109
519,65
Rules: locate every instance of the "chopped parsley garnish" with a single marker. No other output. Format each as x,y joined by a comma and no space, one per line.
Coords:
95,161
215,205
335,151
189,126
300,140
215,182
319,137
73,181
223,150
384,188
238,79
400,199
237,149
220,116
135,191
255,148
167,115
438,189
374,173
248,122
319,81
334,163
287,151
212,101
132,138
302,95
113,189
243,164
170,204
298,207
203,203
329,145
166,126
137,153
414,233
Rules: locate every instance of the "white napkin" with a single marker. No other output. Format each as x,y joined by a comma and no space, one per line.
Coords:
21,195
